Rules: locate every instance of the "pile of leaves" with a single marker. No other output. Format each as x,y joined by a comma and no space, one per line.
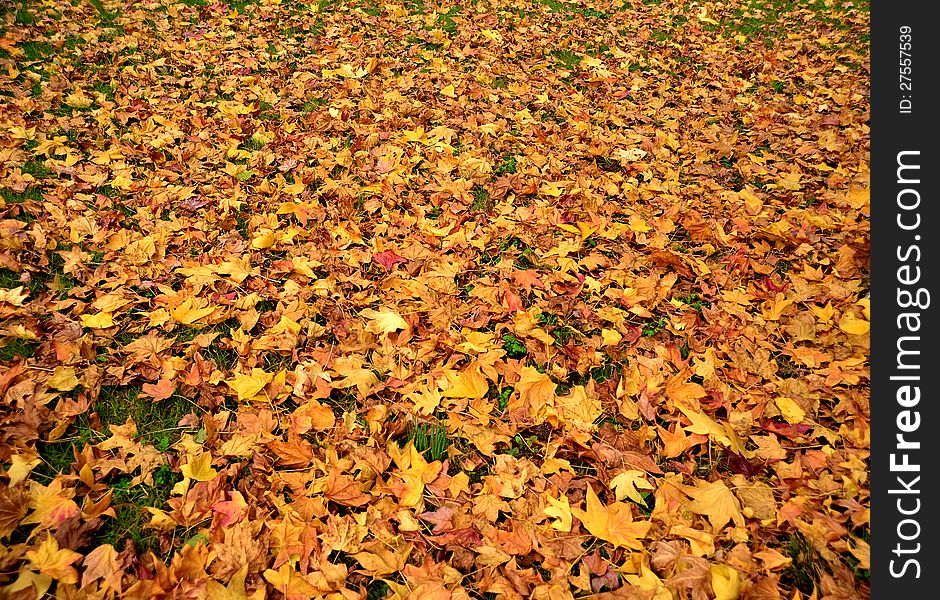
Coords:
488,299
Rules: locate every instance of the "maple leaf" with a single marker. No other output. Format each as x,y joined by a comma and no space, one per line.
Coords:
613,523
100,320
249,385
53,561
361,379
470,383
199,468
13,507
627,484
383,321
560,510
161,390
15,296
190,311
388,259
63,379
718,503
102,563
726,583
342,489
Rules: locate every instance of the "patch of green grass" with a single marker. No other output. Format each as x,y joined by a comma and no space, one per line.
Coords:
313,104
16,347
12,197
33,51
130,506
58,455
803,573
105,88
500,83
274,361
253,144
653,327
481,198
37,169
446,20
695,301
224,357
430,440
567,59
376,589
514,347
604,372
156,421
507,166
25,17
502,400
524,446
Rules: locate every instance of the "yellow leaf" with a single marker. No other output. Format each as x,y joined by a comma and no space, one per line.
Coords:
865,303
628,483
702,542
466,384
15,296
78,100
264,240
849,324
702,424
537,389
613,523
295,188
383,321
50,560
579,408
717,502
20,467
250,385
790,410
25,579
610,337
100,320
362,379
63,379
238,269
637,223
188,313
560,510
448,91
199,468
725,582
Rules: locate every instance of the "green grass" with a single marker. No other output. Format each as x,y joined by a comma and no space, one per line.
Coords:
507,166
481,198
653,327
38,170
20,197
566,59
446,21
130,506
33,51
430,440
156,421
695,302
513,346
15,347
803,573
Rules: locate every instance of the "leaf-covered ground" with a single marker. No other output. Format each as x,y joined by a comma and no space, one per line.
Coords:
494,299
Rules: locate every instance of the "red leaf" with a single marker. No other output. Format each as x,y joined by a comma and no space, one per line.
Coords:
388,259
